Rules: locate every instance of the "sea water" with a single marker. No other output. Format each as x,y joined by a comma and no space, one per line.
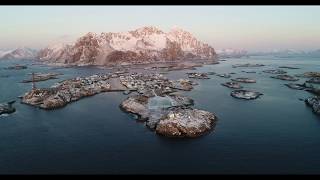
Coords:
276,133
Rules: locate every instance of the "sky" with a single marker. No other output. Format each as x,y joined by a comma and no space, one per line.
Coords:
254,28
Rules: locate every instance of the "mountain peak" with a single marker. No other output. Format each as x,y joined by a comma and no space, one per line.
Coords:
143,45
20,53
146,30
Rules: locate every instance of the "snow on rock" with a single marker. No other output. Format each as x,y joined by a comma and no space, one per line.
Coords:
232,53
186,123
19,53
143,45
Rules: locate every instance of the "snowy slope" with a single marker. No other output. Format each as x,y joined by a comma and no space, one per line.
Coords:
146,44
231,53
19,53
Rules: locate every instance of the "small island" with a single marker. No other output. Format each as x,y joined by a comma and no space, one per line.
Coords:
245,94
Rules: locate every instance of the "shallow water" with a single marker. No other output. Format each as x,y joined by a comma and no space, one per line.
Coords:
275,133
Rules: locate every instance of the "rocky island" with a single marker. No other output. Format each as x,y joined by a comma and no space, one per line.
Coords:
233,85
7,108
245,94
36,77
247,65
285,77
224,75
314,103
296,86
154,102
17,67
198,75
309,74
249,71
244,80
315,80
288,67
275,71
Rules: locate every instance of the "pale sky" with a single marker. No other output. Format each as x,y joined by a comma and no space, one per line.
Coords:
254,28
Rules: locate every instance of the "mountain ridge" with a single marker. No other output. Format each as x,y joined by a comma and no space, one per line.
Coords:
142,45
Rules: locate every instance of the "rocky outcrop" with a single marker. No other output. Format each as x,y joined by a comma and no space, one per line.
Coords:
198,75
314,103
315,80
41,77
296,86
285,77
309,74
66,91
244,80
249,71
275,71
180,122
224,75
245,94
247,65
7,108
233,85
288,67
143,45
17,67
136,105
153,110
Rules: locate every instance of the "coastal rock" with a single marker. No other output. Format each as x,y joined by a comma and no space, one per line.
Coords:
182,84
66,91
42,77
244,80
17,67
185,123
211,73
37,96
247,65
296,86
249,71
7,108
224,75
275,71
146,107
288,67
314,103
198,75
285,77
245,94
180,101
309,75
233,85
159,106
136,105
315,80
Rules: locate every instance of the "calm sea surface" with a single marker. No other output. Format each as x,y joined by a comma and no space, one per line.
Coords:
276,133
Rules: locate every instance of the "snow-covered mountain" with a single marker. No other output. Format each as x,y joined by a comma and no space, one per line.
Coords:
232,53
4,52
289,53
143,45
19,53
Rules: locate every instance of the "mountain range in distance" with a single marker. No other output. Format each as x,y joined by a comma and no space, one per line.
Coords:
143,45
19,53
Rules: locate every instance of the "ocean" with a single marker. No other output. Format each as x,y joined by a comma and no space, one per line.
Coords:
274,134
